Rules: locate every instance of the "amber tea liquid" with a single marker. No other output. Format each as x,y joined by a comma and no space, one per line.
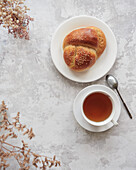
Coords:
97,107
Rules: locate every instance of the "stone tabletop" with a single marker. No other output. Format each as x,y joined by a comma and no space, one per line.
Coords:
30,83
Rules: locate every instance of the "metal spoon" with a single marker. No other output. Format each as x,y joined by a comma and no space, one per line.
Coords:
113,83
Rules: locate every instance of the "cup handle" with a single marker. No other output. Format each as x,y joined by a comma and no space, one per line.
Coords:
114,122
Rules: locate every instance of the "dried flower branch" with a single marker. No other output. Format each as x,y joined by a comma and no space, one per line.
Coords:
13,15
21,154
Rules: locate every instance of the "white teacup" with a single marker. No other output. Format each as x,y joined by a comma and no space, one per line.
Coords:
107,120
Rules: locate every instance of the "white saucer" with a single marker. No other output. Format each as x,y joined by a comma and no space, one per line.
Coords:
77,108
102,65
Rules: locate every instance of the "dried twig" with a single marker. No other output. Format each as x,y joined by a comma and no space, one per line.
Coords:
21,154
13,15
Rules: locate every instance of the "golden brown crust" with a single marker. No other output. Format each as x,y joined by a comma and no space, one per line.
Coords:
84,37
69,55
84,58
79,58
82,47
101,41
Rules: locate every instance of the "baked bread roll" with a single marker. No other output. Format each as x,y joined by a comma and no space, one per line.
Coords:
82,47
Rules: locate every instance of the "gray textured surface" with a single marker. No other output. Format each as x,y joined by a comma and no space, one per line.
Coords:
30,83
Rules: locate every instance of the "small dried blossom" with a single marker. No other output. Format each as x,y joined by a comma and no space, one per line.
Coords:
13,15
22,154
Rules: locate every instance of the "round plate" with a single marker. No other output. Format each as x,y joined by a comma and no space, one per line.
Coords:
102,65
77,108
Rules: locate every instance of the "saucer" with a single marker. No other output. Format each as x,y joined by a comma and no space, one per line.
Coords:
103,63
77,108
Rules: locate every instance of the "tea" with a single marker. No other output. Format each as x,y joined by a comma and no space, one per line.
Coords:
97,106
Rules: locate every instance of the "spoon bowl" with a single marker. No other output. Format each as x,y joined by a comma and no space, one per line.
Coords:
112,81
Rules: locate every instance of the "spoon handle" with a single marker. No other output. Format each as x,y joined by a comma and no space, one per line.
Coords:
124,104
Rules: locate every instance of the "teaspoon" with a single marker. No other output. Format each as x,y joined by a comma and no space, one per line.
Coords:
113,83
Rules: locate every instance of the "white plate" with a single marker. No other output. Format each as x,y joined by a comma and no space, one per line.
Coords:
77,108
102,65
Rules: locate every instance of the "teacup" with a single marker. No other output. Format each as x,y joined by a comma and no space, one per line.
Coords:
98,108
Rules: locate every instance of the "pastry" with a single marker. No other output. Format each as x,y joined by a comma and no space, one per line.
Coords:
82,47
